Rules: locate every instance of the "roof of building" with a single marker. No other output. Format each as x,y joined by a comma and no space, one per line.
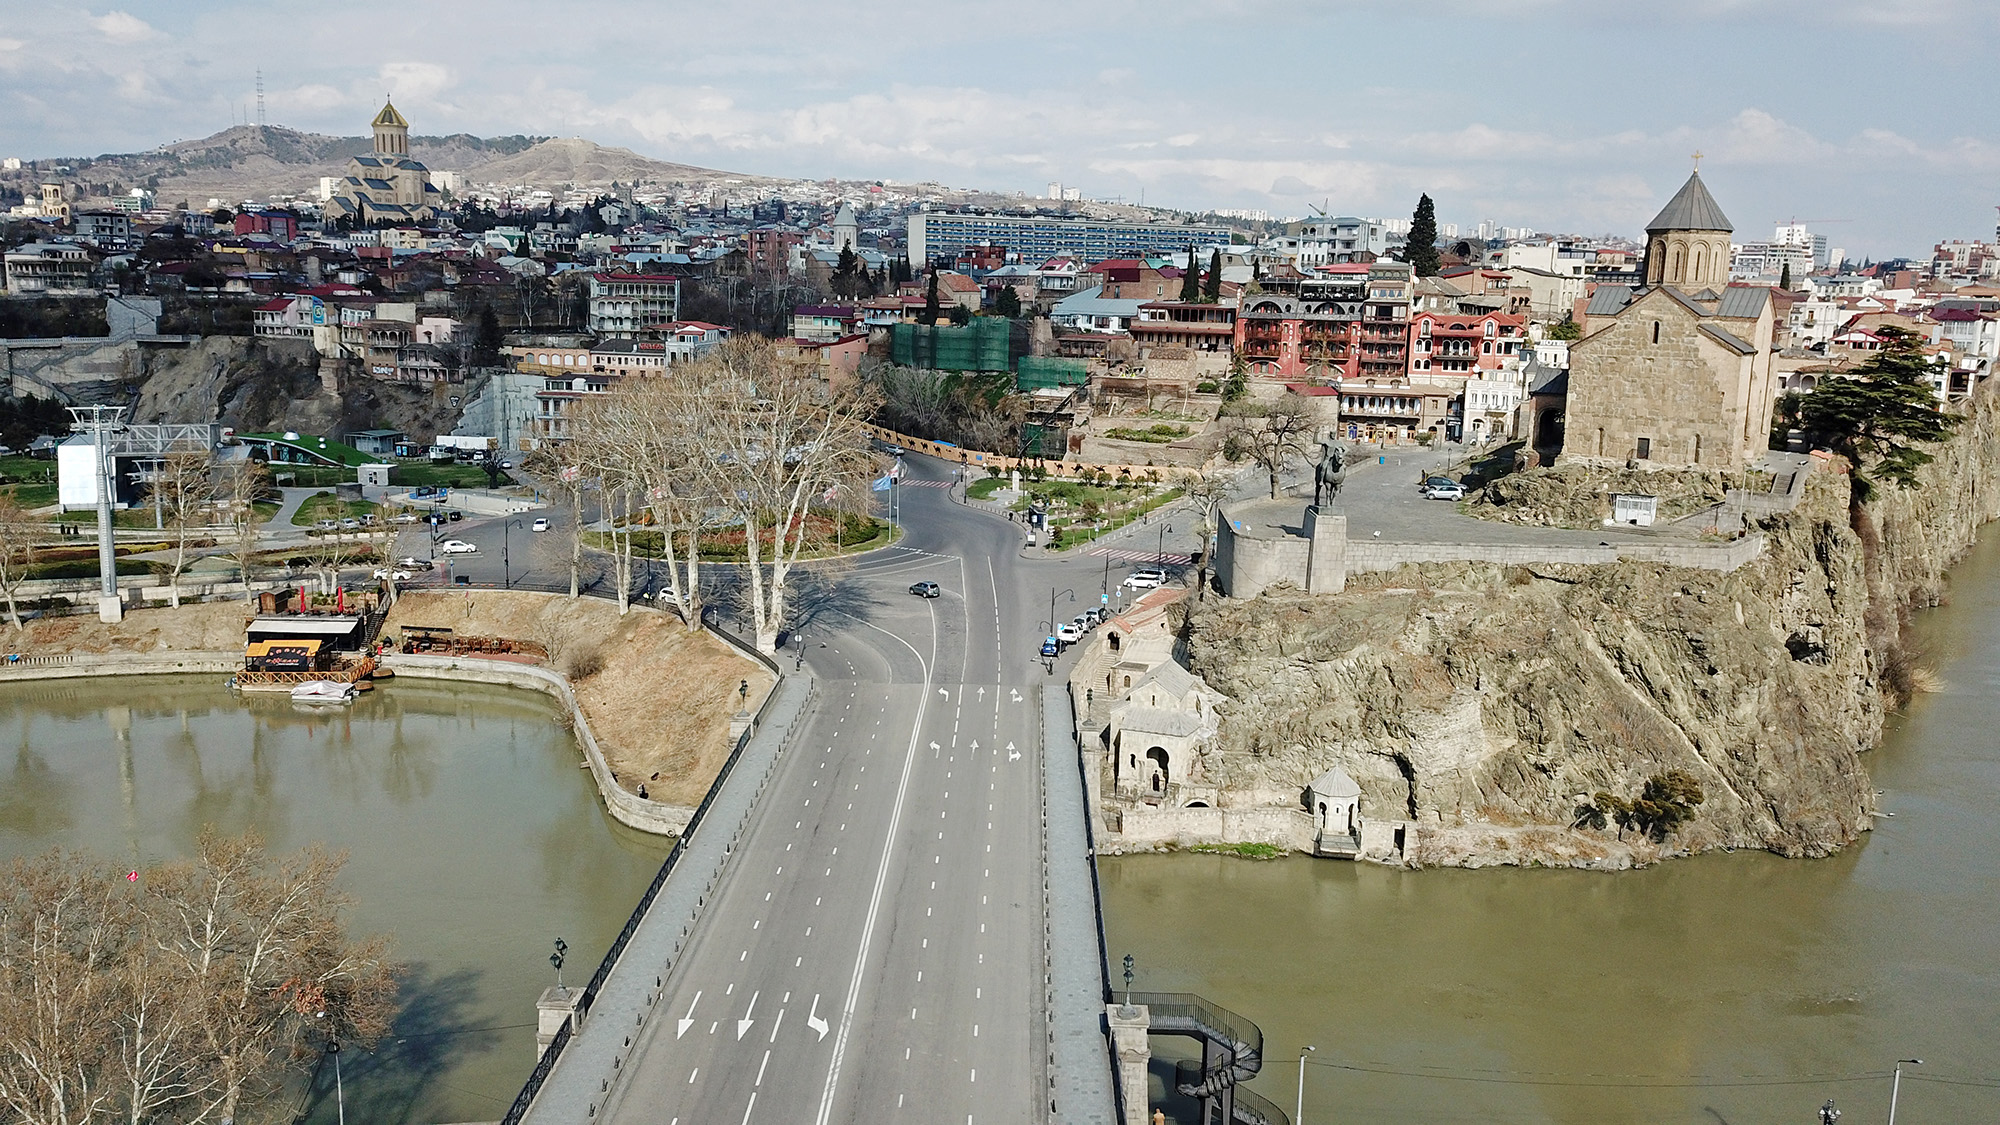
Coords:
1160,720
1609,300
389,116
1691,208
1743,302
1727,340
1554,383
1335,783
1092,302
1171,677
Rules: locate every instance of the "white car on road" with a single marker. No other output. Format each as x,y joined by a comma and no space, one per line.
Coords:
458,547
1068,634
539,525
393,575
1146,578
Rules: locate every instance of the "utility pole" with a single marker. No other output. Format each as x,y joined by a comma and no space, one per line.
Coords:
100,422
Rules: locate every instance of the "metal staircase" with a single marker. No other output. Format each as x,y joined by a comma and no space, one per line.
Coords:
1232,1052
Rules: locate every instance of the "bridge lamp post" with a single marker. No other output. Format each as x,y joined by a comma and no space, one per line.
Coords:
1896,1085
1299,1110
339,1087
1052,622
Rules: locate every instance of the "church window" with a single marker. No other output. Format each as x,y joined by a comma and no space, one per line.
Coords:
1697,449
1696,276
1656,332
1677,264
1645,451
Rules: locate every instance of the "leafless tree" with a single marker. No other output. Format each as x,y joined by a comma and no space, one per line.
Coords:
657,428
62,925
783,442
19,535
242,485
182,486
1274,438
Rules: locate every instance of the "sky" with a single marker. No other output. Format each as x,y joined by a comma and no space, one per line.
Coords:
1873,119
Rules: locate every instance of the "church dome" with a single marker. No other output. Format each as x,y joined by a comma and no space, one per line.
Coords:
1691,208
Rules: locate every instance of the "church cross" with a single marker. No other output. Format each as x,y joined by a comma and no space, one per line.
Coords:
1697,160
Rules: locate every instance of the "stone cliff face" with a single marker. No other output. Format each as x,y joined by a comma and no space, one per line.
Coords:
254,386
1485,704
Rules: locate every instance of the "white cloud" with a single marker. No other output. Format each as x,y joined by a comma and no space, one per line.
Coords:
12,44
123,27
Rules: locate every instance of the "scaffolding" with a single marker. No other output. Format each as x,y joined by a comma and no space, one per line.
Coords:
986,344
1038,373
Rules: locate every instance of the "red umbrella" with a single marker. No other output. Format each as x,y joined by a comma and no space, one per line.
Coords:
340,599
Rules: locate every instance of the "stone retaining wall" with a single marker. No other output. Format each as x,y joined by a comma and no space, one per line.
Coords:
72,665
627,807
1364,556
1142,827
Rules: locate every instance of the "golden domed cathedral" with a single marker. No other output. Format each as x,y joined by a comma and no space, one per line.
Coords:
386,186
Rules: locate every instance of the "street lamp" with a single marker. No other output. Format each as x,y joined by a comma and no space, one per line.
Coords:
507,554
1160,552
801,662
1896,1085
339,1087
1299,1110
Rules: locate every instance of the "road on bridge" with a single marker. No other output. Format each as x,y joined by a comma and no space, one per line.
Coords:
874,951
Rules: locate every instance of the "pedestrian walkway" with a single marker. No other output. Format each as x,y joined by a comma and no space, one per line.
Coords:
1080,1080
1166,558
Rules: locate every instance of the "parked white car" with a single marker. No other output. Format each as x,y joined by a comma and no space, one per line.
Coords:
1068,634
458,547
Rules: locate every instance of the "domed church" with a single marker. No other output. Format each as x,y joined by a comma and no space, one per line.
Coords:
386,186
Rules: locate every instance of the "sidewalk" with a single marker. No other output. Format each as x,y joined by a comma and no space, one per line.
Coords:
1080,1078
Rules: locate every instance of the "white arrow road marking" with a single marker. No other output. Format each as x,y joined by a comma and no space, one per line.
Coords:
1014,756
687,1021
812,1018
934,746
975,744
982,695
743,1025
943,692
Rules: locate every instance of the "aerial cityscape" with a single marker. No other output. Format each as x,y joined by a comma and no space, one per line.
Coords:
1532,456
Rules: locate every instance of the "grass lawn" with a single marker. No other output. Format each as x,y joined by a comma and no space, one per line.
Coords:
1077,530
985,488
326,506
32,482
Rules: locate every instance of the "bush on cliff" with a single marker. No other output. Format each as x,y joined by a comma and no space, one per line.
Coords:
1667,801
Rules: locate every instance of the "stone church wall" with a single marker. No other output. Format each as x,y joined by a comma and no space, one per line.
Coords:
1624,387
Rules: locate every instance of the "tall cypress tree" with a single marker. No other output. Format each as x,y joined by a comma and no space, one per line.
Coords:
1190,281
1785,280
930,313
1421,248
1211,289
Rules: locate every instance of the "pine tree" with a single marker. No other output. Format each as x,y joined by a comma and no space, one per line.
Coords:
1007,303
1211,290
1420,250
1190,281
1880,415
1785,278
930,313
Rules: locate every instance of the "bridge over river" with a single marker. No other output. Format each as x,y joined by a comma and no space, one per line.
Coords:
887,909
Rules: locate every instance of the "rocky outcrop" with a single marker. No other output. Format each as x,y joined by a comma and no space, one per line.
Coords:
1486,704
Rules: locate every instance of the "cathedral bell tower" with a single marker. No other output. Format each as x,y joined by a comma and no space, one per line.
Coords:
1687,243
392,133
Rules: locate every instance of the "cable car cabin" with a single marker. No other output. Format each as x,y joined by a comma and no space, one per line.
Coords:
285,656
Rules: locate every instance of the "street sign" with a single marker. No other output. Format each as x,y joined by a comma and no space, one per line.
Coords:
571,474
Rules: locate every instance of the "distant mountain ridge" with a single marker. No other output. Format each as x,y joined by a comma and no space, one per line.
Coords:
254,162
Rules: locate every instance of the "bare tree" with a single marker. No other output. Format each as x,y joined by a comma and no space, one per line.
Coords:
182,485
785,442
657,428
19,534
61,928
1274,438
242,486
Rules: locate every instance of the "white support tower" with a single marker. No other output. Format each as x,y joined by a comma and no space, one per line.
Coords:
100,422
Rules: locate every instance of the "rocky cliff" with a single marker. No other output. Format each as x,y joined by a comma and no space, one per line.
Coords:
1487,704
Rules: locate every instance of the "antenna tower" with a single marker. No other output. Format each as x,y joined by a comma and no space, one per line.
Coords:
260,98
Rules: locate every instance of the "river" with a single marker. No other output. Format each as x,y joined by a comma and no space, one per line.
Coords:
473,840
1728,988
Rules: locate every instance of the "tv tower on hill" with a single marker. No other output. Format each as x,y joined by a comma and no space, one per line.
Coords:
260,99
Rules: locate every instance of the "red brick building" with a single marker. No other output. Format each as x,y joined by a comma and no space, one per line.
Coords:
1280,337
1444,343
769,250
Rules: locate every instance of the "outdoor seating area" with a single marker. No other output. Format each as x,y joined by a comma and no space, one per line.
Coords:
438,641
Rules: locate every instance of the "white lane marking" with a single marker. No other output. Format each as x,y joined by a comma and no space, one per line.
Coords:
743,1025
767,1062
776,1024
748,1108
812,1018
691,1075
687,1021
881,876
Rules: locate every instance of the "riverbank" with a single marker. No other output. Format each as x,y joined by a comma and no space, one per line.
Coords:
1483,709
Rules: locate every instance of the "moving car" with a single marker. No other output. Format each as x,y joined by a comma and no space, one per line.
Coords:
458,547
539,525
1443,488
405,517
412,562
392,574
925,589
1146,578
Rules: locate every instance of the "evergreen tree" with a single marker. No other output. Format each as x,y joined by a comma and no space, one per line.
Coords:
486,340
1879,416
1211,290
1007,303
1190,281
930,313
846,274
1420,250
1785,278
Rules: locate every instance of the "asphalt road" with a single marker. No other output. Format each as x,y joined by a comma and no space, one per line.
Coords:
873,951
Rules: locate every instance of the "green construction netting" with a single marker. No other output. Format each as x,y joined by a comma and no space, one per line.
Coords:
983,345
1040,372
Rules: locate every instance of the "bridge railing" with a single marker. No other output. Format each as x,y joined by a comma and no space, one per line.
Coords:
1212,1018
547,1062
1253,1108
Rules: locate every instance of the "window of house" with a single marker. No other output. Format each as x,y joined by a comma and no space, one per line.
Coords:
1645,450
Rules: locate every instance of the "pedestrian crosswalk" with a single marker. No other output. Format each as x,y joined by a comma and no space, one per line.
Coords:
1170,558
907,483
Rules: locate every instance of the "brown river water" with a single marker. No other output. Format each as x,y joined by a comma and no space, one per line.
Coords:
473,840
1729,988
